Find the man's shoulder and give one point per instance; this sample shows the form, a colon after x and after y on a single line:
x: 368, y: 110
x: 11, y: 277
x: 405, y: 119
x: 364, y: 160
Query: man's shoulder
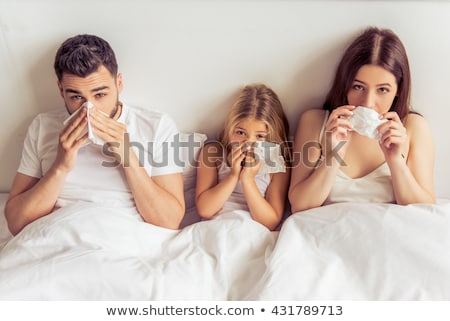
x: 145, y: 124
x: 51, y: 119
x: 150, y: 116
x: 145, y: 112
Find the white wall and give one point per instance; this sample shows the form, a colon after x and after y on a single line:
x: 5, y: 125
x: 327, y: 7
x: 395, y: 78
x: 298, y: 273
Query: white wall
x: 189, y: 58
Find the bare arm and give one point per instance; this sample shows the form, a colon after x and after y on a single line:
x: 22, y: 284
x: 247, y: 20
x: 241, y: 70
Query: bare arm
x: 31, y: 198
x: 410, y: 155
x: 210, y: 195
x: 310, y: 184
x: 159, y: 199
x: 267, y: 210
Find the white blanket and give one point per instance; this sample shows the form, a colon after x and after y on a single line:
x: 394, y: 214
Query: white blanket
x: 361, y: 251
x: 84, y: 252
x: 340, y: 251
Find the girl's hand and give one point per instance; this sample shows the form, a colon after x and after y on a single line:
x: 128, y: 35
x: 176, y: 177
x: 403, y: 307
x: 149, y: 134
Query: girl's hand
x: 251, y: 166
x: 236, y: 157
x: 394, y: 140
x: 338, y: 125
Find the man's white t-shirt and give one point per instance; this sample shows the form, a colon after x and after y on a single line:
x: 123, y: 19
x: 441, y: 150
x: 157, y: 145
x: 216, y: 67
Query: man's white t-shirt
x: 96, y: 176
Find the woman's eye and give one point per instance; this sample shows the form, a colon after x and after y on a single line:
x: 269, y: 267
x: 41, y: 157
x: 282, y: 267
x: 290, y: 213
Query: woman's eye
x: 239, y: 132
x: 358, y: 87
x: 383, y: 90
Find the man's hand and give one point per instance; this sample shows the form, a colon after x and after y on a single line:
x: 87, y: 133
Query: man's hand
x: 113, y: 133
x: 70, y: 142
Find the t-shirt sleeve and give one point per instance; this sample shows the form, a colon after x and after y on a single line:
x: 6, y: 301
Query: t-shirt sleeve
x: 29, y: 163
x: 165, y: 151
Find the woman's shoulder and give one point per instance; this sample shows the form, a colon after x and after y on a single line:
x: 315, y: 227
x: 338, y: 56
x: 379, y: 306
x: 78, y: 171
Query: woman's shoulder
x: 416, y: 122
x: 311, y: 120
x: 313, y: 114
x: 417, y: 127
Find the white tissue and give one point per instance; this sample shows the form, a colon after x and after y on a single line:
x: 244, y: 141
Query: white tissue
x: 69, y: 119
x: 92, y: 137
x: 365, y: 122
x: 270, y: 156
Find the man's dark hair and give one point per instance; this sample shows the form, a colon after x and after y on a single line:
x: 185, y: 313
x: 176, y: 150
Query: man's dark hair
x: 82, y: 55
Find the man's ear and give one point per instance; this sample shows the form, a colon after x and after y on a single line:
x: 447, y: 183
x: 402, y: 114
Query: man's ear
x: 119, y: 82
x: 60, y: 87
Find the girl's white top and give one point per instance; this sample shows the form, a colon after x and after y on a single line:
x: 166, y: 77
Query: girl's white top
x: 237, y: 199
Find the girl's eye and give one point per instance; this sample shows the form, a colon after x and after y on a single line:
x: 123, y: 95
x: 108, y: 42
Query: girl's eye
x: 261, y: 137
x: 383, y: 90
x: 239, y: 132
x: 358, y: 87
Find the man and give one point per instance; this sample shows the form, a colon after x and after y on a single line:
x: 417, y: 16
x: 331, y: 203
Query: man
x: 55, y: 172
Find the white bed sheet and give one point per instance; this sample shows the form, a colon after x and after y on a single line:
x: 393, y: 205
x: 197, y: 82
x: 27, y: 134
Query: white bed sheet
x: 356, y: 251
x: 85, y: 252
x: 5, y: 235
x: 341, y: 251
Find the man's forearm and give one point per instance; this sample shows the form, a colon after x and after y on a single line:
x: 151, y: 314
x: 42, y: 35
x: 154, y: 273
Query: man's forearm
x: 159, y: 200
x: 35, y: 202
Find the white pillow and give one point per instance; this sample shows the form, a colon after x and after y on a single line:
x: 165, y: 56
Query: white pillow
x: 189, y: 156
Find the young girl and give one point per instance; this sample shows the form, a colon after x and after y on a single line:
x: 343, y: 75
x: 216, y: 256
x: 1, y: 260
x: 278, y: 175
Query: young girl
x: 229, y: 177
x: 396, y: 167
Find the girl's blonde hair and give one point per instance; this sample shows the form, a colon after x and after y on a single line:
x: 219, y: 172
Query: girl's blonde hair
x: 261, y: 103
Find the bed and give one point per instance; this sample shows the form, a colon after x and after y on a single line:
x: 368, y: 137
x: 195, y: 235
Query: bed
x: 347, y: 251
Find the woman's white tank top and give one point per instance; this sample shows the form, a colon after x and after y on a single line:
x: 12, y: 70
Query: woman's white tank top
x: 374, y: 187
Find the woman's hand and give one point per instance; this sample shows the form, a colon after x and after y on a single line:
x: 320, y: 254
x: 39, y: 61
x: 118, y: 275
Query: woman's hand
x: 394, y: 140
x: 338, y: 125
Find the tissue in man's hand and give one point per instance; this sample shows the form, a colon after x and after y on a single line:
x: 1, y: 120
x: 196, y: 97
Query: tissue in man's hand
x: 365, y: 122
x: 270, y: 156
x: 92, y: 137
x: 69, y: 119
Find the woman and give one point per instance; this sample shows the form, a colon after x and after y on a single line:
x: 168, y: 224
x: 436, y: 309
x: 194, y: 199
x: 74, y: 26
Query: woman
x: 346, y: 166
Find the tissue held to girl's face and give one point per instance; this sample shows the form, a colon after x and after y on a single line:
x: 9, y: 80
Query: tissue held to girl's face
x: 270, y: 156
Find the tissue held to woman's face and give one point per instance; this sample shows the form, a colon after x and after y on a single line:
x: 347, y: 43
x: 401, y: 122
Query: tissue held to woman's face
x: 365, y: 121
